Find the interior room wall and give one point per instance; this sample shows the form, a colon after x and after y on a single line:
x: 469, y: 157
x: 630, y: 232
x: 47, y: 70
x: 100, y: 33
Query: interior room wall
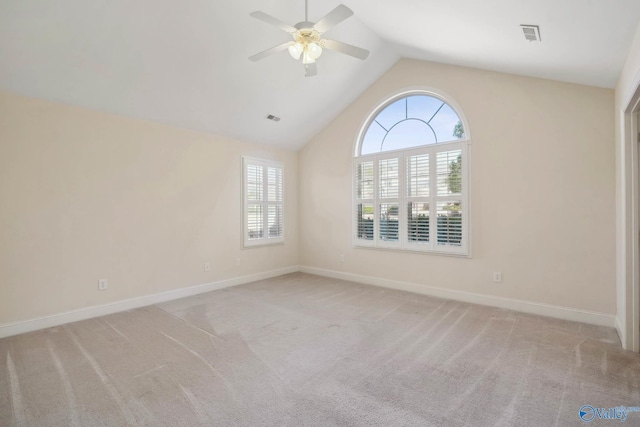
x: 626, y: 88
x: 86, y: 195
x: 542, y: 190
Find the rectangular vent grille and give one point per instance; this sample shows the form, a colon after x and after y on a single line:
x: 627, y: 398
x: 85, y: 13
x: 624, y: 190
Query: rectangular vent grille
x: 273, y: 118
x: 531, y: 32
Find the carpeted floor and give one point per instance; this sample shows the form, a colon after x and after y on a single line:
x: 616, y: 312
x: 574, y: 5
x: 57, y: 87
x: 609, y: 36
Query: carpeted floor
x: 303, y: 350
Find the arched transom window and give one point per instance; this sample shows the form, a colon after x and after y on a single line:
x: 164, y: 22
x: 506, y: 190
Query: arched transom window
x: 410, y: 177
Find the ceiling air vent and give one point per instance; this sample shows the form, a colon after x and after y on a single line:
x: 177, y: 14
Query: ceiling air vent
x: 531, y: 32
x: 273, y: 118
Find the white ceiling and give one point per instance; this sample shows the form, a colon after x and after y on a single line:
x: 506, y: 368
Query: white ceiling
x: 185, y: 63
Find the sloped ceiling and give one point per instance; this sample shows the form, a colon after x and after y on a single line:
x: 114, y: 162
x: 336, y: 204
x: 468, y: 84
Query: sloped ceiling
x: 185, y: 63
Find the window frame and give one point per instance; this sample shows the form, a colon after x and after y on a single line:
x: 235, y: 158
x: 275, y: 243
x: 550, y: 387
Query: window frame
x: 403, y: 243
x: 265, y: 240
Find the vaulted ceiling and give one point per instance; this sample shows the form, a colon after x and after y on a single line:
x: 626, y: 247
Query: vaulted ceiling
x: 185, y: 63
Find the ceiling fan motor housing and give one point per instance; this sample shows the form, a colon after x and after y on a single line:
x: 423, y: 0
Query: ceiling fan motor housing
x: 306, y: 35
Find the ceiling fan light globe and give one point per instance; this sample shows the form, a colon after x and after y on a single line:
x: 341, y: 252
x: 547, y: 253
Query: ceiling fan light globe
x: 295, y: 50
x: 314, y: 50
x: 307, y: 58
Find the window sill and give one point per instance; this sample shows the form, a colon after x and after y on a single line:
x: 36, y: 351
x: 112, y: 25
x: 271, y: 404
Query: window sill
x: 262, y: 244
x: 413, y: 251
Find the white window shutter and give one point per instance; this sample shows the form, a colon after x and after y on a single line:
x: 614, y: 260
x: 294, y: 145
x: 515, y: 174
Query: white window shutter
x: 263, y: 215
x: 414, y: 200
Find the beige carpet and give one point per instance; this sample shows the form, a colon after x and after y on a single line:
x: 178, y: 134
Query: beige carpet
x: 304, y: 350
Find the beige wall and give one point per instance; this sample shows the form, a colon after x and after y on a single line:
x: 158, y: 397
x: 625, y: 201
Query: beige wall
x: 626, y: 194
x: 86, y: 195
x: 542, y: 190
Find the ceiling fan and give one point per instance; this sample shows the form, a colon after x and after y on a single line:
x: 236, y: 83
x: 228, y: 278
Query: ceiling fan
x: 307, y: 42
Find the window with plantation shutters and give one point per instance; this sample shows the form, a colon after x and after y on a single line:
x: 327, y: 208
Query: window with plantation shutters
x: 263, y: 219
x: 411, y: 178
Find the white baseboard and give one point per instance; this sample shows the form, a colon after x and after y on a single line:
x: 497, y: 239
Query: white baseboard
x: 10, y: 329
x: 548, y: 310
x: 622, y: 333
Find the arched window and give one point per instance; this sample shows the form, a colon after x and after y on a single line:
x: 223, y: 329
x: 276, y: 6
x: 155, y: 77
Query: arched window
x: 410, y: 177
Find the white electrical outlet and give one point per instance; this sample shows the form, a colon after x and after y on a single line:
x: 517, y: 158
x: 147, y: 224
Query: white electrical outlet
x: 497, y: 276
x: 237, y: 262
x: 341, y: 258
x: 103, y: 284
x: 207, y: 266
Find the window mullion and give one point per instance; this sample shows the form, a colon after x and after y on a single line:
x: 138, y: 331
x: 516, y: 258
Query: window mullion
x: 376, y: 197
x: 465, y: 198
x: 402, y: 203
x: 433, y: 202
x: 265, y: 203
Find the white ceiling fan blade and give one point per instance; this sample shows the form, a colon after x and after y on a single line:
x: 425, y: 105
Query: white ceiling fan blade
x: 311, y: 70
x: 332, y: 18
x: 268, y: 52
x: 273, y: 21
x: 345, y: 48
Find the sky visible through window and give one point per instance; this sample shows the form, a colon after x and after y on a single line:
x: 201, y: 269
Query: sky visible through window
x: 411, y: 122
